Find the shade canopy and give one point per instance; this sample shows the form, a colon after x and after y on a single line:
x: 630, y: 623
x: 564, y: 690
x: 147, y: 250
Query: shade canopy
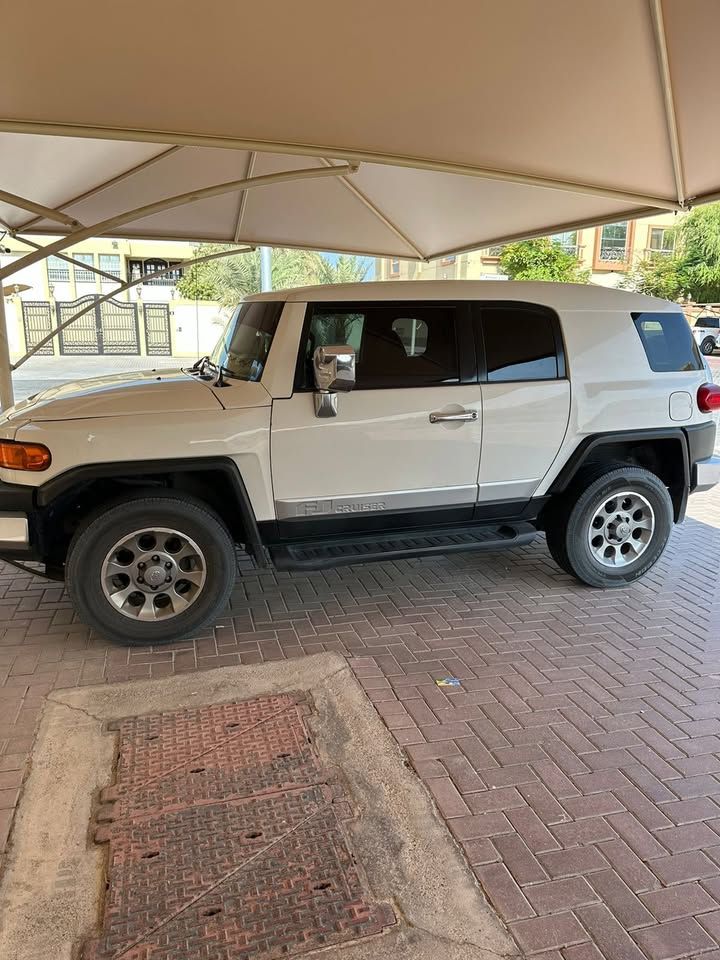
x: 474, y: 122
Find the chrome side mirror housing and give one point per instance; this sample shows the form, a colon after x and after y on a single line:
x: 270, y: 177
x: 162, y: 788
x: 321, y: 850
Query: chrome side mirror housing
x: 334, y: 369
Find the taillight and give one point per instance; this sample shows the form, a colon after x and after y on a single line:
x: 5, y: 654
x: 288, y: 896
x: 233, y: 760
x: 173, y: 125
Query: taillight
x: 708, y: 397
x: 24, y: 456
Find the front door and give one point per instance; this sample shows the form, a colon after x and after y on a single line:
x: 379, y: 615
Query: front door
x: 392, y: 448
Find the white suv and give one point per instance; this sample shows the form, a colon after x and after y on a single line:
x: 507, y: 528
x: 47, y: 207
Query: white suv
x: 706, y: 331
x: 344, y: 424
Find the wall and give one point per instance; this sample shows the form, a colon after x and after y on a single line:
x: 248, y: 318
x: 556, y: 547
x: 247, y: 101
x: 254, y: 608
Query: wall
x: 195, y: 326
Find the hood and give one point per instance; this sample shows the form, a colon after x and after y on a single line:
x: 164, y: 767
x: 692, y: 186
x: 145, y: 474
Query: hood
x: 118, y: 395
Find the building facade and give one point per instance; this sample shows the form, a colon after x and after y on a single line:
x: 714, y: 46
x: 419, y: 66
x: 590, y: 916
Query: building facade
x: 608, y: 252
x: 149, y: 319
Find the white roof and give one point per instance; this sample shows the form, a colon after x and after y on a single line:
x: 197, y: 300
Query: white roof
x: 474, y: 122
x: 561, y: 296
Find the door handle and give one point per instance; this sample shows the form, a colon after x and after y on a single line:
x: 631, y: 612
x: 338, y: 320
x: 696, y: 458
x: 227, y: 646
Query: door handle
x: 450, y: 417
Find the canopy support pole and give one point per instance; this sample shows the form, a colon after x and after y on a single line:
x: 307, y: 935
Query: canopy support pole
x: 383, y: 218
x: 7, y: 397
x: 108, y: 296
x: 661, y: 51
x: 93, y: 191
x: 150, y: 209
x: 338, y: 153
x: 51, y: 214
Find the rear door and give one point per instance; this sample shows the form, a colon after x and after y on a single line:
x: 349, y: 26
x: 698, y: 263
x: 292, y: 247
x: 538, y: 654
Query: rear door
x: 525, y: 397
x: 391, y: 448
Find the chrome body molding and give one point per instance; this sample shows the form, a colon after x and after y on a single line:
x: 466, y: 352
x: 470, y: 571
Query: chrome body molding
x: 377, y: 502
x: 708, y: 474
x: 14, y: 531
x: 507, y: 489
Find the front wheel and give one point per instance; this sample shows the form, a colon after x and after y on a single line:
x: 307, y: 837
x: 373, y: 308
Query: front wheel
x: 152, y: 570
x: 611, y: 528
x: 707, y: 347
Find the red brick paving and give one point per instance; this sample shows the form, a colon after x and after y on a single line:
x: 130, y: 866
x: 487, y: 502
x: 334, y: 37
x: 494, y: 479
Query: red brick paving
x: 578, y: 764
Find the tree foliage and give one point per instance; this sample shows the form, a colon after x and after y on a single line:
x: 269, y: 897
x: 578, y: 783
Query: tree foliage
x: 229, y: 279
x: 541, y: 259
x: 693, y: 270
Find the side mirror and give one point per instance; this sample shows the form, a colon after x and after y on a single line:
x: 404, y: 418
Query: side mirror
x: 334, y: 369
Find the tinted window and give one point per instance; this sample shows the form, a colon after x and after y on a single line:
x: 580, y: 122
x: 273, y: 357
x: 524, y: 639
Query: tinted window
x: 712, y: 323
x: 245, y: 344
x: 395, y: 345
x: 519, y: 343
x: 668, y: 342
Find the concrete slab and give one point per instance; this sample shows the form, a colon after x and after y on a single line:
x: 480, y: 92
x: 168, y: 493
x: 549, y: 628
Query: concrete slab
x: 51, y: 889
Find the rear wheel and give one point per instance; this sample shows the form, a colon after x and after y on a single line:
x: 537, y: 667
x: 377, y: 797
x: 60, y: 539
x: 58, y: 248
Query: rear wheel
x: 612, y: 527
x: 707, y: 347
x: 150, y: 571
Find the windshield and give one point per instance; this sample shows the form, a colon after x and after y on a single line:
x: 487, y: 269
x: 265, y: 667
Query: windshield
x: 244, y: 346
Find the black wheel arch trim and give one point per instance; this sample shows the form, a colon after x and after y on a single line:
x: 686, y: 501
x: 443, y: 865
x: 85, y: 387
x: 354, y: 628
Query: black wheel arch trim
x: 584, y: 449
x: 62, y: 483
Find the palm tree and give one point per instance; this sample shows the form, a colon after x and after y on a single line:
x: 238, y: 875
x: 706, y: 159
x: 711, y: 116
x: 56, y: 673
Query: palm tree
x: 230, y: 279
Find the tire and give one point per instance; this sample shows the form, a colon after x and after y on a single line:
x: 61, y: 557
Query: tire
x: 165, y: 534
x: 707, y: 347
x: 605, y: 541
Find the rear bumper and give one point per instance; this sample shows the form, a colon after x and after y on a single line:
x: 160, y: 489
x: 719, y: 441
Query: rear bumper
x: 707, y: 474
x: 14, y: 532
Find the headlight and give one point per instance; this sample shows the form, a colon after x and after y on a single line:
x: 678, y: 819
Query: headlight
x: 15, y: 455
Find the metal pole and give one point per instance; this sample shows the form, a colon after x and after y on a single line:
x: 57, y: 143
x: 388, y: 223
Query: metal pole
x: 169, y: 203
x: 265, y: 269
x: 7, y: 398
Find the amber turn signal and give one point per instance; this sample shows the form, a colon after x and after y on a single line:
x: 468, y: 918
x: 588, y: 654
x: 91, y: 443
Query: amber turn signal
x: 24, y: 456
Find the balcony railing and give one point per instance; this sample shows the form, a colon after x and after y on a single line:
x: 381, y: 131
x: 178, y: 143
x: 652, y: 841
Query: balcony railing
x: 58, y: 274
x: 613, y: 253
x: 655, y: 252
x: 572, y: 248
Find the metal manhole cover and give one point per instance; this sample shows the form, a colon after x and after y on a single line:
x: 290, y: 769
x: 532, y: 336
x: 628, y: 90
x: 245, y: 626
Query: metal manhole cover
x: 226, y: 840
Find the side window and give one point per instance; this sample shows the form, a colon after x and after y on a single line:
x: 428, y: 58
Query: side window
x: 520, y: 343
x: 668, y: 342
x: 404, y: 345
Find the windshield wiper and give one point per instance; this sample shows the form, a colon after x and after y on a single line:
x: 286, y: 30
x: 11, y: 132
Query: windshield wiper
x: 200, y: 364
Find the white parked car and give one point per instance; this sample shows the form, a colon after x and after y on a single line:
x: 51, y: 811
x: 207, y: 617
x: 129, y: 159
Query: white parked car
x: 706, y: 331
x: 344, y: 424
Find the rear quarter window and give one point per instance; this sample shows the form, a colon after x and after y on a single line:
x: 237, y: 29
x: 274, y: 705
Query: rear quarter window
x: 668, y: 341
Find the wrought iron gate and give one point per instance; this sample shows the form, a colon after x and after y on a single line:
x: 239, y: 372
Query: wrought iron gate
x: 157, y: 329
x: 111, y: 327
x: 37, y: 321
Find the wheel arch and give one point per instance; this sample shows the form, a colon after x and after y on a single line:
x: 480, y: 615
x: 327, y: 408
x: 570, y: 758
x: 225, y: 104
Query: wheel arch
x: 68, y: 498
x: 663, y: 451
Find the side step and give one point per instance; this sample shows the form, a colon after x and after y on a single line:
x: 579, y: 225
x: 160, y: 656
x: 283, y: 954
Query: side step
x: 321, y: 554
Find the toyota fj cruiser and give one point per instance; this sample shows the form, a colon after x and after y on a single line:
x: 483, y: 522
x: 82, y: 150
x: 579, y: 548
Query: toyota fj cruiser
x: 364, y: 422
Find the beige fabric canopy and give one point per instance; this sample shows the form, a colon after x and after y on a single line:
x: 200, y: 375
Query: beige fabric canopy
x: 474, y: 121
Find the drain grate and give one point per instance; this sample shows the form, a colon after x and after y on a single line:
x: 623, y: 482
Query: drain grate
x: 227, y: 840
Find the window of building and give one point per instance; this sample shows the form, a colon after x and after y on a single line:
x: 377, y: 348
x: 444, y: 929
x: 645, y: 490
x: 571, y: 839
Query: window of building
x: 492, y: 253
x: 661, y: 240
x: 668, y: 342
x: 395, y: 268
x: 614, y: 242
x: 447, y: 261
x: 84, y: 276
x: 58, y: 270
x: 567, y: 240
x: 110, y: 263
x: 395, y: 345
x: 520, y: 343
x: 139, y: 268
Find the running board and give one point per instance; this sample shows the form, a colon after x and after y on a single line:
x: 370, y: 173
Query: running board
x: 321, y: 554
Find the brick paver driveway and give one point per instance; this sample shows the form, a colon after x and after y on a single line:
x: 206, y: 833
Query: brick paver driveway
x: 578, y: 764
